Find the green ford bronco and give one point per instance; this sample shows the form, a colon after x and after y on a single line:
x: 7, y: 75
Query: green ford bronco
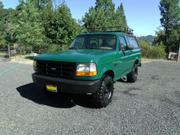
x: 92, y: 64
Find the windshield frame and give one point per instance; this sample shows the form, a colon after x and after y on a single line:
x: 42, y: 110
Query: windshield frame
x: 95, y: 35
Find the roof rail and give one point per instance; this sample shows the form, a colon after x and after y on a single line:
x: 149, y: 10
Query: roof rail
x: 111, y: 29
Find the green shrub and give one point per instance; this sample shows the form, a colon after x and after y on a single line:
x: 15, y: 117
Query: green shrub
x: 56, y: 48
x: 152, y: 51
x: 49, y: 48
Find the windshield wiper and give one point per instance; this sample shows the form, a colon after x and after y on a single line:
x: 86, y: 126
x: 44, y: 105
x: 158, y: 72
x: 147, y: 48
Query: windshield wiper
x: 71, y: 48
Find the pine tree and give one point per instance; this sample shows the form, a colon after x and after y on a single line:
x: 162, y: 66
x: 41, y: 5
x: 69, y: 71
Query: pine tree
x: 101, y: 16
x: 29, y: 29
x: 95, y: 20
x: 1, y: 5
x: 9, y: 32
x: 6, y: 15
x: 120, y: 18
x: 42, y: 4
x: 170, y: 12
x: 61, y: 28
x: 1, y: 24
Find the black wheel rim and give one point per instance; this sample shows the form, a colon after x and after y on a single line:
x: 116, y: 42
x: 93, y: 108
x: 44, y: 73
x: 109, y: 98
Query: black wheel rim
x: 135, y: 72
x: 108, y: 91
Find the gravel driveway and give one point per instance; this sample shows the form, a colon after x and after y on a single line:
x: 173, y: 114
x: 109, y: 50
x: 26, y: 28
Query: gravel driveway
x: 151, y: 106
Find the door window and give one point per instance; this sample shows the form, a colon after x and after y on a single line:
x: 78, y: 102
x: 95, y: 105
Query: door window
x: 122, y: 43
x: 133, y: 43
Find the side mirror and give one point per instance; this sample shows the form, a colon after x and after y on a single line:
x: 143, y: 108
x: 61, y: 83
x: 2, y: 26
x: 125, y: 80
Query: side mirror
x: 122, y: 48
x: 128, y: 47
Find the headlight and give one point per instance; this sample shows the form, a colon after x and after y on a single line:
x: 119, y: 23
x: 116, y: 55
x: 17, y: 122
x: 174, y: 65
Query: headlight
x: 86, y: 69
x: 35, y: 65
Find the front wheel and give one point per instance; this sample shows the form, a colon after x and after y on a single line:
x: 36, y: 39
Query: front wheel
x: 104, y: 94
x: 132, y: 76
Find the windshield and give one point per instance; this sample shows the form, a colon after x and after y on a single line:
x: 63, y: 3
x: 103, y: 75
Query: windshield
x: 100, y: 42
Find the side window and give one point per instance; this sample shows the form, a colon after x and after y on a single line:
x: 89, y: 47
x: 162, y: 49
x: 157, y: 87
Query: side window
x: 122, y: 43
x: 133, y: 43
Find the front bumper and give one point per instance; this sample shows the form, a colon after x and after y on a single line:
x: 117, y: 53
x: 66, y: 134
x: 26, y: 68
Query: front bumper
x: 67, y: 86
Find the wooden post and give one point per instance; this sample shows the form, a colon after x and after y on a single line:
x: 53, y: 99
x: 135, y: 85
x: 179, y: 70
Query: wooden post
x: 179, y: 54
x: 9, y: 51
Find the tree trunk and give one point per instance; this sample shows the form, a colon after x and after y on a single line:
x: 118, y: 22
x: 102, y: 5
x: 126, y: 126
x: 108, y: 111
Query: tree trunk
x: 179, y: 54
x: 9, y: 51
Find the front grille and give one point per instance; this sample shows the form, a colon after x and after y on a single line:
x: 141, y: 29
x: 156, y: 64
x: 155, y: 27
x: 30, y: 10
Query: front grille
x: 56, y: 69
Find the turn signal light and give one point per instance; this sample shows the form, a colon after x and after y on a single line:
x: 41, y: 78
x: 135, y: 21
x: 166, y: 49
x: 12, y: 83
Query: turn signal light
x: 86, y: 73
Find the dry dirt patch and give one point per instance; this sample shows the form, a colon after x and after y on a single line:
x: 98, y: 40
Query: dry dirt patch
x: 21, y: 60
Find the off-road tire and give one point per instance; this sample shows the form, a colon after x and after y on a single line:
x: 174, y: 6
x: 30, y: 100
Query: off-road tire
x: 104, y: 94
x: 132, y: 76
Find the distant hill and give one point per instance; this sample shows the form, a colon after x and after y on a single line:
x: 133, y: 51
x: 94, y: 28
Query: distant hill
x: 149, y: 38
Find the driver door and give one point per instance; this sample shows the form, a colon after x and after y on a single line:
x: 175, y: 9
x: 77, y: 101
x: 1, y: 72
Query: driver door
x: 125, y: 59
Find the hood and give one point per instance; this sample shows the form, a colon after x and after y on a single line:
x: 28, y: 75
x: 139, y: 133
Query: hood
x: 73, y: 56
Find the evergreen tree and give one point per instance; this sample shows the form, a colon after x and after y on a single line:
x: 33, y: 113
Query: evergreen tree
x: 61, y: 28
x: 2, y: 27
x: 174, y: 39
x: 37, y: 24
x: 42, y: 4
x: 9, y: 32
x: 104, y: 17
x: 1, y: 5
x: 29, y: 29
x: 107, y: 7
x: 95, y: 20
x: 101, y: 16
x: 120, y: 18
x: 47, y: 13
x: 170, y: 12
x: 6, y: 15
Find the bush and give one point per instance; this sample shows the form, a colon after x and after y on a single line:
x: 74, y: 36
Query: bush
x: 53, y: 48
x: 152, y: 51
x: 48, y: 48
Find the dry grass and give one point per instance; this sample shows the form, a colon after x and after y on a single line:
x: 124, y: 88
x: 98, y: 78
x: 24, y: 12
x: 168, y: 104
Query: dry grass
x: 145, y: 60
x: 21, y: 60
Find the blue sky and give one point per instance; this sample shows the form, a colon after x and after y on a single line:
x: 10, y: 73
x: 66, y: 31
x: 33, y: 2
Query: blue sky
x: 142, y: 15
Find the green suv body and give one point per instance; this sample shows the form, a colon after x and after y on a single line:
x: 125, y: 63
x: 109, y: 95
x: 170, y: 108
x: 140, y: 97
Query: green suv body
x: 91, y: 65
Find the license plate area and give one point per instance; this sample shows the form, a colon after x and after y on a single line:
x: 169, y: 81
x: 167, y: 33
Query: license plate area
x: 51, y: 88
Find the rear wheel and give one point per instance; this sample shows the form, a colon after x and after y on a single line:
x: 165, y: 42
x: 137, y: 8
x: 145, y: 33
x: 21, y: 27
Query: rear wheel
x: 132, y: 76
x: 104, y: 94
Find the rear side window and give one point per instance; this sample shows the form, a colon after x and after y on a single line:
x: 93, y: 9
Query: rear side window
x: 133, y: 43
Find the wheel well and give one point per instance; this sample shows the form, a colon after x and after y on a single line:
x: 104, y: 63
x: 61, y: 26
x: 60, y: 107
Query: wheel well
x: 136, y: 62
x: 110, y: 73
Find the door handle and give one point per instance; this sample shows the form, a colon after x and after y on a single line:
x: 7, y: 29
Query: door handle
x: 115, y: 65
